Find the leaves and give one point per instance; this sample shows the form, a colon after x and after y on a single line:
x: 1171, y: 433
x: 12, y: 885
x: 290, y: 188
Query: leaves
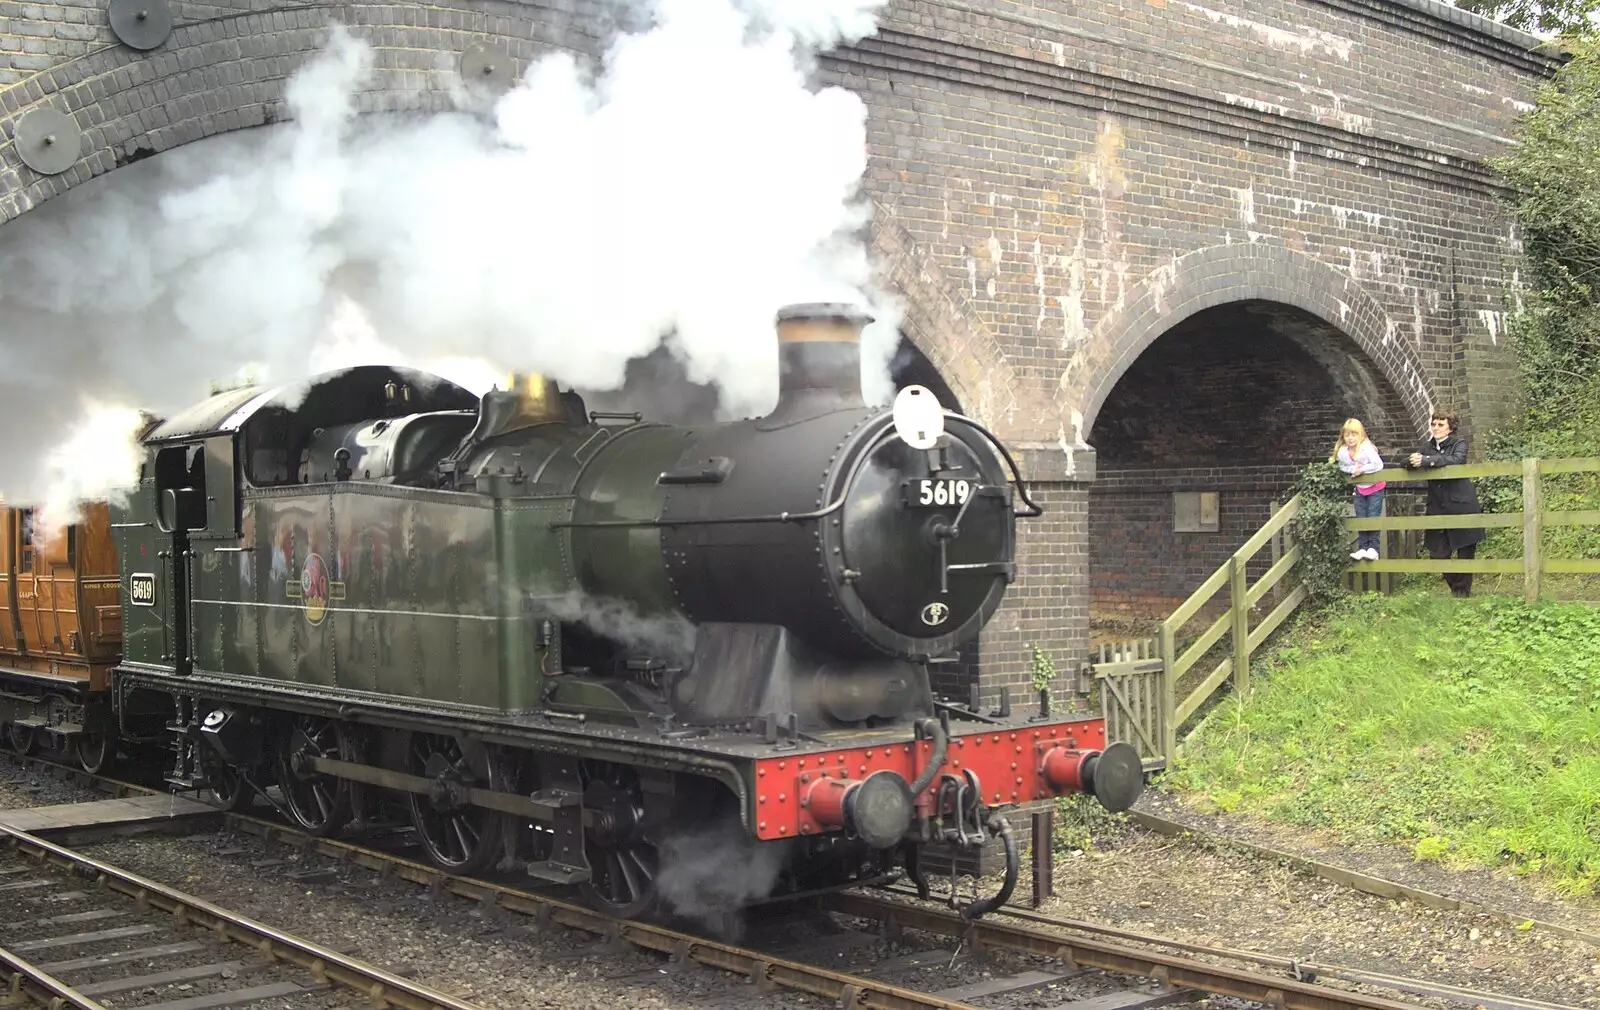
x: 1554, y: 172
x: 1531, y: 16
x: 1319, y: 530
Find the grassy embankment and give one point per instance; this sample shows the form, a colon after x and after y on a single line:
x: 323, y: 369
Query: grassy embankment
x: 1469, y: 730
x: 1466, y: 729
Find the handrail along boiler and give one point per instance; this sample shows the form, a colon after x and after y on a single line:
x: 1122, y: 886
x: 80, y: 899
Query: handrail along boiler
x: 571, y: 640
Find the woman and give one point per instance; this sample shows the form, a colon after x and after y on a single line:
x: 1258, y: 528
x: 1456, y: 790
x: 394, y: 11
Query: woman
x: 1454, y: 497
x: 1356, y: 455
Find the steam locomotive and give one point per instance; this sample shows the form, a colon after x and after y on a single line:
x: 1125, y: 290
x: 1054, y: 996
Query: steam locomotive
x: 570, y: 641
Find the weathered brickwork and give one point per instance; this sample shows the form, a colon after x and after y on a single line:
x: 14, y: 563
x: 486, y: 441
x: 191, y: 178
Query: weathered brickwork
x: 1142, y: 569
x: 1057, y: 185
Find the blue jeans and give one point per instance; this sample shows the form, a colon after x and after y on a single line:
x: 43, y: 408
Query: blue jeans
x: 1368, y: 506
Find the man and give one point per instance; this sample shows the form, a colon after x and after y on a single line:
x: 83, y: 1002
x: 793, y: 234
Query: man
x: 1453, y: 497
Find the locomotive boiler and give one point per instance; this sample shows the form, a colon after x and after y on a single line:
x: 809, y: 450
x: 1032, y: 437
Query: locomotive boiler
x: 581, y: 642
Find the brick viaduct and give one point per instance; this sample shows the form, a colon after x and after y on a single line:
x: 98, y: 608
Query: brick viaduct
x: 1263, y: 215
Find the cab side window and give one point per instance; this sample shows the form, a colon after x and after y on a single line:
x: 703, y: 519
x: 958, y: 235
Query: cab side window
x: 25, y: 556
x: 182, y: 469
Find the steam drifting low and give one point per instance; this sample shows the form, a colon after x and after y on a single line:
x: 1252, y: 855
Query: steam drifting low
x: 682, y: 189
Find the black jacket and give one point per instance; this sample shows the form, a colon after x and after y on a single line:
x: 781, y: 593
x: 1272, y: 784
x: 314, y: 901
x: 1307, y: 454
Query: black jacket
x: 1456, y: 497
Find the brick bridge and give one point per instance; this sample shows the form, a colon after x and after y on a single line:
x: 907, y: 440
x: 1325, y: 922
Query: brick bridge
x: 1164, y: 246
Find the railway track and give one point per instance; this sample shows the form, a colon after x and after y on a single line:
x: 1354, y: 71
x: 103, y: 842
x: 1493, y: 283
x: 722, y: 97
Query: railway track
x: 123, y: 920
x: 1058, y: 955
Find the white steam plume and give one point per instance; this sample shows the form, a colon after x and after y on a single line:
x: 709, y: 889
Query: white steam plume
x: 710, y: 872
x: 689, y: 184
x: 669, y: 636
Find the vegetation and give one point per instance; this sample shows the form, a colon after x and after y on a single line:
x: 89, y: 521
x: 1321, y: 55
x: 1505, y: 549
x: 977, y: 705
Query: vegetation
x: 1550, y: 17
x: 1555, y: 173
x: 1319, y: 530
x: 1469, y: 730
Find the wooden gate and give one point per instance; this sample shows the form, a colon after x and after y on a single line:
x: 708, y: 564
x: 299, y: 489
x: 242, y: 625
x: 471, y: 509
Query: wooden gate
x: 1129, y: 675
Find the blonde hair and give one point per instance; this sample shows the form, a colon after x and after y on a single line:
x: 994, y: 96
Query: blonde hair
x: 1361, y: 436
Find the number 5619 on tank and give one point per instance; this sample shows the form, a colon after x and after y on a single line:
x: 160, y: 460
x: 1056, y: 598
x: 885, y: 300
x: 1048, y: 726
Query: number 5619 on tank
x: 930, y: 492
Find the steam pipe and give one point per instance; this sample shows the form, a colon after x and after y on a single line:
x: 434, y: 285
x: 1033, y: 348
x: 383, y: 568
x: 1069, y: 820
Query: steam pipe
x: 1000, y: 826
x: 941, y: 748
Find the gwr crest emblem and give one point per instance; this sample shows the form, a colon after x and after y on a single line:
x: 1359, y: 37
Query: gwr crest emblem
x: 314, y: 589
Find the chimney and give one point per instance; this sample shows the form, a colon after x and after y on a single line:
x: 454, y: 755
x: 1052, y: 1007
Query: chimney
x: 530, y: 399
x: 819, y: 357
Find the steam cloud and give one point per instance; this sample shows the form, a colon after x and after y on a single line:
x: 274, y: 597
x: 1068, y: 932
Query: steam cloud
x: 711, y: 873
x: 682, y: 189
x: 665, y: 636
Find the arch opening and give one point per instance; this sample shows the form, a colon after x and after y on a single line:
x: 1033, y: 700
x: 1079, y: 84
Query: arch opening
x: 1209, y: 427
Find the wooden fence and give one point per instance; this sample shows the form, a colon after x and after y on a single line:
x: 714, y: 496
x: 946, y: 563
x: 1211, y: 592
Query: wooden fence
x: 1128, y: 679
x: 1138, y: 681
x: 1534, y: 519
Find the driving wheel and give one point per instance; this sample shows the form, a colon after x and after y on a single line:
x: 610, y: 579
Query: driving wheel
x: 319, y: 802
x: 623, y: 865
x: 456, y: 836
x: 225, y: 783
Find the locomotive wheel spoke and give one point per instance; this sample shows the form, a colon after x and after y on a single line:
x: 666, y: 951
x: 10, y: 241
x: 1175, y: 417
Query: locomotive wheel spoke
x: 459, y: 839
x: 320, y: 803
x: 625, y: 880
x: 622, y: 863
x: 228, y: 790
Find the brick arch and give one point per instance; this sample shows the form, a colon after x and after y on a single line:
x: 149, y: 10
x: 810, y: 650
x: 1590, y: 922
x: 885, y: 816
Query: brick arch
x: 940, y: 324
x: 1231, y: 273
x: 228, y: 73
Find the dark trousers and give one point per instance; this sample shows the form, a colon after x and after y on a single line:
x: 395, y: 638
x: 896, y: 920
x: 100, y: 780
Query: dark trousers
x: 1438, y: 542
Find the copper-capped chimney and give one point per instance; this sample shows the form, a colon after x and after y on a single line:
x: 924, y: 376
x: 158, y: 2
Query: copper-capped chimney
x: 528, y: 399
x: 819, y: 356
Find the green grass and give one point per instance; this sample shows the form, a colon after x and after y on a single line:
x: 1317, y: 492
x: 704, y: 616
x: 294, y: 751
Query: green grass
x: 1468, y: 730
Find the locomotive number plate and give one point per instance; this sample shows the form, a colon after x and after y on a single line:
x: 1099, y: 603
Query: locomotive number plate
x: 930, y: 493
x: 142, y: 589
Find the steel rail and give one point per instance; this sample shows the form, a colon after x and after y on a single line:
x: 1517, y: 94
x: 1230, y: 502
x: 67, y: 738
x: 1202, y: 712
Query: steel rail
x: 35, y: 983
x: 763, y: 970
x: 1078, y: 952
x: 325, y: 965
x: 1299, y: 969
x: 1358, y: 881
x: 583, y: 918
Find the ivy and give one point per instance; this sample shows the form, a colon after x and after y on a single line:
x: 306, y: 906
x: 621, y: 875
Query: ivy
x: 1554, y: 173
x: 1041, y: 668
x: 1319, y: 530
x: 1554, y: 176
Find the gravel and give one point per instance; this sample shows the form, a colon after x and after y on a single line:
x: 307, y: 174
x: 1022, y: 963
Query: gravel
x: 494, y: 959
x: 1182, y: 889
x: 1190, y: 891
x: 22, y: 787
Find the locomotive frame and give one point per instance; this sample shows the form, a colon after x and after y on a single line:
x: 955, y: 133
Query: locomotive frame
x: 362, y: 586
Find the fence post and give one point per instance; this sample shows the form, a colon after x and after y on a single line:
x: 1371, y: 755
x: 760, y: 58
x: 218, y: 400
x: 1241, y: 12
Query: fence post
x: 1532, y: 528
x: 1169, y: 693
x: 1385, y: 579
x: 1240, y: 612
x: 1278, y: 551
